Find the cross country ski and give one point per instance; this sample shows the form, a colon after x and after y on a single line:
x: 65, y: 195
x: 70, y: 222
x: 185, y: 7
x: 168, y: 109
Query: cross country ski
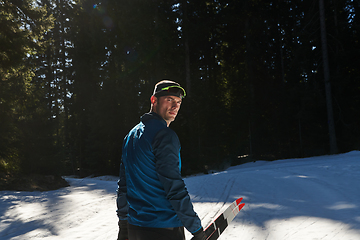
x: 216, y: 228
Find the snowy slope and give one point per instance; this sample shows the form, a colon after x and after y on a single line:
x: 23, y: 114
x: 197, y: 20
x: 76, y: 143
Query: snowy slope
x: 296, y: 199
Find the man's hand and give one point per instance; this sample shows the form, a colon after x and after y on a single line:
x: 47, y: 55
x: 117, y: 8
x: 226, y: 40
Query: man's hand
x: 199, y: 235
x: 123, y: 230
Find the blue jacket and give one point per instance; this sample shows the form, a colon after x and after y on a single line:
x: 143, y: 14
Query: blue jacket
x: 151, y: 192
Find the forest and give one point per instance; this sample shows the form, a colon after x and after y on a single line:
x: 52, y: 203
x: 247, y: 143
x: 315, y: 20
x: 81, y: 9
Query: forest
x: 265, y: 80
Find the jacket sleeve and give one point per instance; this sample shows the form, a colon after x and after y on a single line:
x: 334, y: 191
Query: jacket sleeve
x: 121, y: 201
x: 166, y: 148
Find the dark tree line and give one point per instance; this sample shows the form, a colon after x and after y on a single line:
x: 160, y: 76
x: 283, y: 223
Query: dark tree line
x: 77, y: 75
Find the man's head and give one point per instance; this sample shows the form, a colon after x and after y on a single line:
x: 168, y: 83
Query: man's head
x: 166, y: 99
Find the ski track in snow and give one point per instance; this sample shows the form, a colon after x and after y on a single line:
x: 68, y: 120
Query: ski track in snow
x: 314, y: 198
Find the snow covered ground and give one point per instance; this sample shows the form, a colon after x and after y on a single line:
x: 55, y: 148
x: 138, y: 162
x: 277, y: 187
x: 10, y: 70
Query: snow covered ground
x: 294, y: 199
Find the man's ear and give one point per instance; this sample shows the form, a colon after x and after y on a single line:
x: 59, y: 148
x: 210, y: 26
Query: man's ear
x: 153, y: 99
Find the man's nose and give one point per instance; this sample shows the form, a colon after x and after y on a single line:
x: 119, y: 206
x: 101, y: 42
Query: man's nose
x: 176, y: 105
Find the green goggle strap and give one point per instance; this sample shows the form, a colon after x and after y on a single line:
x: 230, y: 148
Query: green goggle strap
x: 167, y: 88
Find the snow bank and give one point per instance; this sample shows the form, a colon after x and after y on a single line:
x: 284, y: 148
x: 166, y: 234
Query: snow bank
x: 310, y: 198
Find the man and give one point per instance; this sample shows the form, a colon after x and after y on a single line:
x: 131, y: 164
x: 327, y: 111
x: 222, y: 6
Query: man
x: 152, y: 202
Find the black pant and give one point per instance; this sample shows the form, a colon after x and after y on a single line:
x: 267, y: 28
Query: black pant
x: 145, y: 233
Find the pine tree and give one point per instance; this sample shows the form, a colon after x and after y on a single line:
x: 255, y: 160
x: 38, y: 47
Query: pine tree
x: 22, y: 28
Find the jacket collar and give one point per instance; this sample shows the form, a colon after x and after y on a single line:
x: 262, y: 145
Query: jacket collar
x: 152, y: 115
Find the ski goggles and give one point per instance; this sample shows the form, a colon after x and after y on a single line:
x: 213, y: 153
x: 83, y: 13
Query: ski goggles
x: 172, y: 90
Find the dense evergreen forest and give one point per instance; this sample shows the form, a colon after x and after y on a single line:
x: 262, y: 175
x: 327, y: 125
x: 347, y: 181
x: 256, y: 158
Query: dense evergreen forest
x: 264, y: 79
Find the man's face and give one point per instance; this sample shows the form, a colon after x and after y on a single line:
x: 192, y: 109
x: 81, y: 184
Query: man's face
x: 167, y: 107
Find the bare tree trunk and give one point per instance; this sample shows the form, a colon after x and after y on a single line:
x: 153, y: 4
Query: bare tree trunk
x: 186, y: 46
x: 332, y: 135
x: 250, y: 66
x: 187, y: 66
